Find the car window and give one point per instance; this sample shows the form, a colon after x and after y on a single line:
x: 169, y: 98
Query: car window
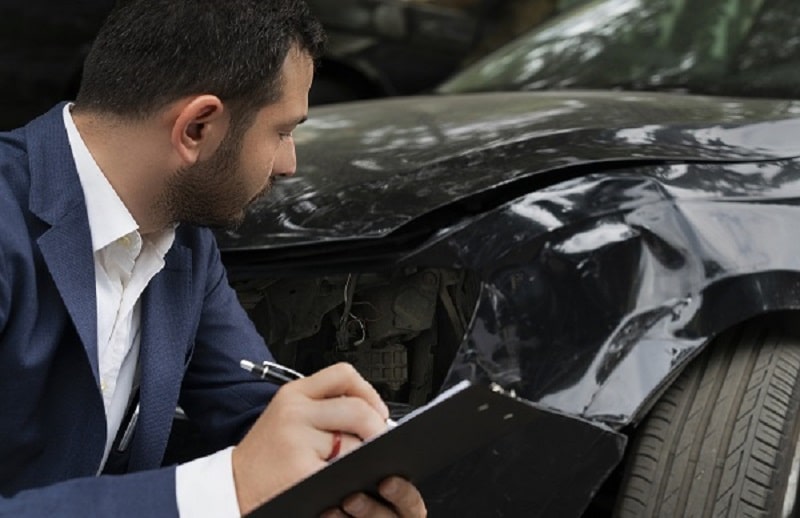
x: 705, y: 47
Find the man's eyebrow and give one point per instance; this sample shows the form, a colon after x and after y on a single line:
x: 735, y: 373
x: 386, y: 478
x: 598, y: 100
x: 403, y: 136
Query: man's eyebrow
x: 301, y: 120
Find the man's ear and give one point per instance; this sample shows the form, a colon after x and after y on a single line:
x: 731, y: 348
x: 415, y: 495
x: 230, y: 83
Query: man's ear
x: 198, y: 126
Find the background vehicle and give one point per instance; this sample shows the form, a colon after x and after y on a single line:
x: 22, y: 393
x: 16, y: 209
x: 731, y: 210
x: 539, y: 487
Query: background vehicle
x: 630, y: 260
x: 381, y: 48
x: 719, y: 47
x: 376, y: 47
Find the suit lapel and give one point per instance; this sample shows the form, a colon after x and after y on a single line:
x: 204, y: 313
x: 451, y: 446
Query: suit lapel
x: 165, y: 339
x: 65, y: 248
x: 57, y: 198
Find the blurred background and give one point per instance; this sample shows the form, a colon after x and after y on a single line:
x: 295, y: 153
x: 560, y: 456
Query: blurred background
x: 380, y: 48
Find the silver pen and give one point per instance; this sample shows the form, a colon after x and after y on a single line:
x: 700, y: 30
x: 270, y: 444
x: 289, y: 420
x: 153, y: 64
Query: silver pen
x: 271, y: 371
x: 279, y: 375
x: 127, y: 435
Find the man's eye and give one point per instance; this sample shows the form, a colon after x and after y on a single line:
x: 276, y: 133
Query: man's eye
x: 284, y: 136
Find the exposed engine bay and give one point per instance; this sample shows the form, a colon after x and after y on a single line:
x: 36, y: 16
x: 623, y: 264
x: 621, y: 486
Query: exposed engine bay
x: 400, y: 329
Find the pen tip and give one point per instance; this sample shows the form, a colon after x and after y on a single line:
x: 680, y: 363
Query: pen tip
x: 247, y: 365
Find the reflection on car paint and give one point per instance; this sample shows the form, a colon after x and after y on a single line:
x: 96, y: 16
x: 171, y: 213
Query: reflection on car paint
x: 468, y: 144
x: 597, y: 323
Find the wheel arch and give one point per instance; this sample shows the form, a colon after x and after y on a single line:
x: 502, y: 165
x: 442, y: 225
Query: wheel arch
x: 721, y: 306
x: 722, y: 439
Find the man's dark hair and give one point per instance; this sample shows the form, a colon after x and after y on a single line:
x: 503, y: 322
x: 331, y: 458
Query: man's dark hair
x: 150, y: 53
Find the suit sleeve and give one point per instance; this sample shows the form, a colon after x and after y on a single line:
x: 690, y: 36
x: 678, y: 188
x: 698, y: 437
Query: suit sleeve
x: 217, y: 395
x: 146, y: 493
x: 6, y: 229
x: 5, y: 293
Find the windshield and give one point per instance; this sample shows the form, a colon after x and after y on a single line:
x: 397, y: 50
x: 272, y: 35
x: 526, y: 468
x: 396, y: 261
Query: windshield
x: 724, y: 47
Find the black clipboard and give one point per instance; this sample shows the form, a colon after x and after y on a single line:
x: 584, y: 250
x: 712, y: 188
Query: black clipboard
x: 432, y: 437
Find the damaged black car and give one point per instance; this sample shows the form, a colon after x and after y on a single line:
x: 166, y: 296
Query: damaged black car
x: 626, y: 260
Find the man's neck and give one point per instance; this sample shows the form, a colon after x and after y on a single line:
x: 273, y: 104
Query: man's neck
x: 128, y: 155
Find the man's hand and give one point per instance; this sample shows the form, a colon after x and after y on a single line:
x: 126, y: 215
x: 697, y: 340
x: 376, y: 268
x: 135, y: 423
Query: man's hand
x: 295, y: 435
x: 404, y: 497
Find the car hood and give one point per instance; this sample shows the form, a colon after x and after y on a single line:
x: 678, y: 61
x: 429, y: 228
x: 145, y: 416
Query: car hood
x: 367, y: 169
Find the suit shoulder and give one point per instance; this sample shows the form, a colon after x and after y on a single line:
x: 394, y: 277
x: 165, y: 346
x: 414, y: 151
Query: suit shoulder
x: 13, y: 157
x: 14, y: 173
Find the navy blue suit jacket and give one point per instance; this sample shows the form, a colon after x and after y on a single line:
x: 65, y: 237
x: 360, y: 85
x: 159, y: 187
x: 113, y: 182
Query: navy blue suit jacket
x: 52, y: 422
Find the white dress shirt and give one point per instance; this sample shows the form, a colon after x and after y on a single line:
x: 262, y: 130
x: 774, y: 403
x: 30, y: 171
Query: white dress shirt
x: 125, y: 262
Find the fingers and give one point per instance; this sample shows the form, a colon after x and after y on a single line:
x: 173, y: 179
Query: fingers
x: 403, y: 498
x: 337, y: 398
x: 348, y: 414
x: 360, y: 506
x: 341, y: 379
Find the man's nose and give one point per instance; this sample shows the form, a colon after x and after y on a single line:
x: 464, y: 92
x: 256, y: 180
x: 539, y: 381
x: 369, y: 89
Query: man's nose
x: 285, y: 161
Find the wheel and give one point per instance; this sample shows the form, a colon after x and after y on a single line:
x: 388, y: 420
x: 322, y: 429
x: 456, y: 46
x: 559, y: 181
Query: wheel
x: 723, y: 439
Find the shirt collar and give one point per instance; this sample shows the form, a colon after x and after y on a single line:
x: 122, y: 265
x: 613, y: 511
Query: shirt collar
x: 109, y: 219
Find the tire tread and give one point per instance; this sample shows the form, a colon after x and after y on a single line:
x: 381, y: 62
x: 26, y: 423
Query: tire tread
x: 713, y: 445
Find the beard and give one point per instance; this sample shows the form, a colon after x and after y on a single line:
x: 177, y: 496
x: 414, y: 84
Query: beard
x: 212, y: 193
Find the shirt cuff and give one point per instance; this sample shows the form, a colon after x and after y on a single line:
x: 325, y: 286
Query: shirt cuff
x: 204, y: 487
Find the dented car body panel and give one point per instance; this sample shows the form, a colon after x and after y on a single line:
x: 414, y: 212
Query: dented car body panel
x: 577, y: 249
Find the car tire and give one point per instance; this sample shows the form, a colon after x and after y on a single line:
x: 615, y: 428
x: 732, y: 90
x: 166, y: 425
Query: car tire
x: 723, y: 439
